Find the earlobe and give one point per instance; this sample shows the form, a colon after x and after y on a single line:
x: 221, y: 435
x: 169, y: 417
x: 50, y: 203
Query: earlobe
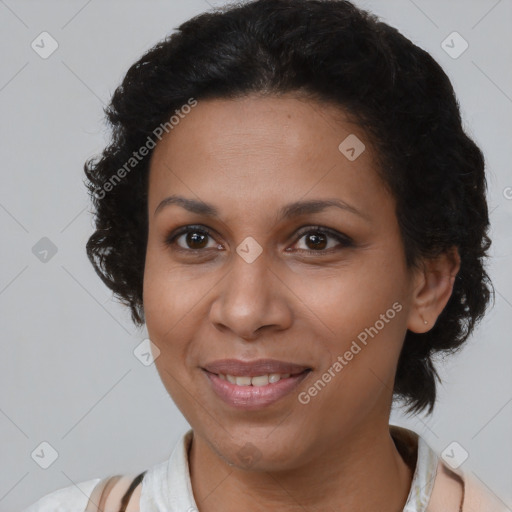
x: 433, y: 289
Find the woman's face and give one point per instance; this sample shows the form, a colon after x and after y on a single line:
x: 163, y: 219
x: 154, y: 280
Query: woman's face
x: 267, y: 285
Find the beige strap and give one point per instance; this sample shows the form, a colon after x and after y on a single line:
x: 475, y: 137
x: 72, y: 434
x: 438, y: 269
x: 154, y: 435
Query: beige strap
x: 462, y: 493
x: 130, y: 502
x: 448, y: 491
x: 100, y: 494
x: 119, y: 493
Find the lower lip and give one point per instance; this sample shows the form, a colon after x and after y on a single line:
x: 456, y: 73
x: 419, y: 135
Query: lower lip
x: 254, y: 397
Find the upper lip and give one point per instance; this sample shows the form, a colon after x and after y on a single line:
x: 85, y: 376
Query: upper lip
x: 237, y: 367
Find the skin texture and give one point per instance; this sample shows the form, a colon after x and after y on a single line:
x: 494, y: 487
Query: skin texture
x: 249, y: 157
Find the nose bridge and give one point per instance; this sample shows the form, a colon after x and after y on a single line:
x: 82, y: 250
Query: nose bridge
x: 249, y: 297
x: 250, y: 276
x: 250, y: 253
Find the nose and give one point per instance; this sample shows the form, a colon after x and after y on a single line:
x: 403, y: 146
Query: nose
x: 251, y: 298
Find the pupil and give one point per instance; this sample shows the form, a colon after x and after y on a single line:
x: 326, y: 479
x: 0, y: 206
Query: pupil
x: 318, y: 244
x: 193, y: 238
x: 318, y: 241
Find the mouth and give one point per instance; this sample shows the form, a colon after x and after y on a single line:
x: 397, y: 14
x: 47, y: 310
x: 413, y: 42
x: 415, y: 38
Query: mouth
x: 253, y: 393
x: 264, y: 379
x: 255, y: 368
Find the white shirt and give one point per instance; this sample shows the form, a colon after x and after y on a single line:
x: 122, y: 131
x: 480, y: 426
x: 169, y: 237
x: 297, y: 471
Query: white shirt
x: 166, y: 487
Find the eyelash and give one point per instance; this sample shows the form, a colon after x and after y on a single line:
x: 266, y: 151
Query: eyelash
x: 344, y: 240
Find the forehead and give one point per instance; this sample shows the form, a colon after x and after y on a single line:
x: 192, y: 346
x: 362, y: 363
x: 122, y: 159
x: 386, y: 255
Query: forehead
x: 273, y: 148
x: 293, y: 127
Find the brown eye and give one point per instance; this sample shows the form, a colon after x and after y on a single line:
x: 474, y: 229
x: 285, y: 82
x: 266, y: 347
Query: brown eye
x: 316, y: 240
x: 196, y: 240
x: 190, y: 239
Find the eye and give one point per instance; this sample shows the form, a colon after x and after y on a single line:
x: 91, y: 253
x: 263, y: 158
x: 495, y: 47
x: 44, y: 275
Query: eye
x: 317, y: 239
x: 194, y: 238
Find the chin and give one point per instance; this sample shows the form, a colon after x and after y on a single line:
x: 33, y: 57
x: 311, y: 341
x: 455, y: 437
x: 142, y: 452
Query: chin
x: 267, y: 450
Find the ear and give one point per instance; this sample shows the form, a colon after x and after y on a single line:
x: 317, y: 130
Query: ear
x: 433, y: 286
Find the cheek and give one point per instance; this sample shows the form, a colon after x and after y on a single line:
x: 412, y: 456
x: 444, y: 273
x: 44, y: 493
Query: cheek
x: 360, y: 318
x: 168, y: 295
x: 347, y: 300
x: 174, y: 301
x: 165, y: 301
x: 361, y: 366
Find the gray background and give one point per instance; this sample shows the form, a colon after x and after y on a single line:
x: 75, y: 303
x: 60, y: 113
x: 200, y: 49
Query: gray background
x: 68, y: 373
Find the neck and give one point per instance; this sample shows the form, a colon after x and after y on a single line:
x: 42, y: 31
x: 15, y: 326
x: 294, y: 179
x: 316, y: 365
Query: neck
x: 364, y: 471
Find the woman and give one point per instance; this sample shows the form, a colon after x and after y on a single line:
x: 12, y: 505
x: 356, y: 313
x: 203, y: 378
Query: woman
x: 291, y: 205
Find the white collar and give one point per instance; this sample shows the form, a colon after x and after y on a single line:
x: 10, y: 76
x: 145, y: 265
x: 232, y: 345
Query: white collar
x: 167, y: 487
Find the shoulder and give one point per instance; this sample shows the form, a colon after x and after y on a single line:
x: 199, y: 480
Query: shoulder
x: 463, y: 490
x: 436, y: 486
x: 73, y: 498
x: 119, y: 492
x: 478, y: 498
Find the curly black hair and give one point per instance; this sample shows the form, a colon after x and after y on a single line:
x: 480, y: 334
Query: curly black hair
x: 333, y: 52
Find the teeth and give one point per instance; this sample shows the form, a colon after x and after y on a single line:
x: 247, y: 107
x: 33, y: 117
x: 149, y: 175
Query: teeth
x: 243, y: 381
x: 260, y: 380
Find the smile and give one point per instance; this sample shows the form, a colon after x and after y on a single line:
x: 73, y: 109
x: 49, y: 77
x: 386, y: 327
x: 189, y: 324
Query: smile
x: 252, y: 393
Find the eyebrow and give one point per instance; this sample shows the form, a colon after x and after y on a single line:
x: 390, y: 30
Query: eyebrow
x: 288, y: 211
